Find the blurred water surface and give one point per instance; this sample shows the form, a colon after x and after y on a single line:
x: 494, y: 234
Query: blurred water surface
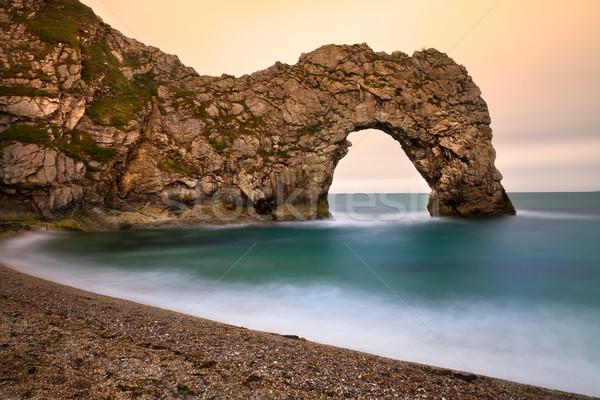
x: 511, y: 297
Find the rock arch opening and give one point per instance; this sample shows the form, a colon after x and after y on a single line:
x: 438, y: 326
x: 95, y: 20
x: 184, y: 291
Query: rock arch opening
x: 376, y: 163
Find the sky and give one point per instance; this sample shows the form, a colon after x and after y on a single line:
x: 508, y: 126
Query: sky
x: 537, y: 64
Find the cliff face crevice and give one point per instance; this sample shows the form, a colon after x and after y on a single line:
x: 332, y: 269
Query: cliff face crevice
x: 99, y: 125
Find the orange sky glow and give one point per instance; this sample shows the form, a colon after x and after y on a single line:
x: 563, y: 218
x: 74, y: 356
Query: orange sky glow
x: 536, y: 62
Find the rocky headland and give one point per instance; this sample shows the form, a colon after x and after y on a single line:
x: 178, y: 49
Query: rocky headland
x: 111, y: 133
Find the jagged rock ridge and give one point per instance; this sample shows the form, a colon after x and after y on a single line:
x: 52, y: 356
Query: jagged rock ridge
x: 102, y: 127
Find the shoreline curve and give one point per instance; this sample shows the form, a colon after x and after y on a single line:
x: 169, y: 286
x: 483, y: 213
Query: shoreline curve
x: 57, y: 341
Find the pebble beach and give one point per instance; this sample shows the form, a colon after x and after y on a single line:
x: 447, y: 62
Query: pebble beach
x: 60, y: 342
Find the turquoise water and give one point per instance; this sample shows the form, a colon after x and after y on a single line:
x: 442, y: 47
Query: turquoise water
x: 512, y: 297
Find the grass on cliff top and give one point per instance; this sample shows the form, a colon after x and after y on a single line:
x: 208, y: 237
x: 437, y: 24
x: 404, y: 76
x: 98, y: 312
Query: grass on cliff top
x: 66, y: 21
x: 61, y: 21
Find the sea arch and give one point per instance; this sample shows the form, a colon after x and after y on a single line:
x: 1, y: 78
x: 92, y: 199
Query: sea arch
x: 427, y: 103
x: 264, y: 144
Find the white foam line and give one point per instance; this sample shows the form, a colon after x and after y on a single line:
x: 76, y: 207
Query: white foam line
x: 553, y: 215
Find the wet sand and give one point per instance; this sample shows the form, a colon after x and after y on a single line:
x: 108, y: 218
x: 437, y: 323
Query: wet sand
x: 60, y: 342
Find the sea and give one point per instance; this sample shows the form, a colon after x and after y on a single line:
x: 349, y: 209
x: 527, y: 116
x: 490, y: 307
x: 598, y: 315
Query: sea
x: 514, y: 297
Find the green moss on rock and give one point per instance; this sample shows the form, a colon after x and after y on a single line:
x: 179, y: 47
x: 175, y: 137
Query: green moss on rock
x: 217, y: 145
x: 38, y: 134
x: 78, y: 145
x: 25, y: 91
x: 117, y: 111
x: 309, y: 129
x: 99, y: 63
x: 174, y: 163
x: 61, y: 21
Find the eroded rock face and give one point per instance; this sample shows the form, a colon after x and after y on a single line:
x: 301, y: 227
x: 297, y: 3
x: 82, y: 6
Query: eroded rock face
x: 47, y: 177
x: 190, y: 148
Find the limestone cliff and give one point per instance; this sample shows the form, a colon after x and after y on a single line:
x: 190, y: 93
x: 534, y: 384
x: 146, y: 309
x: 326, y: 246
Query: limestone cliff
x: 100, y: 126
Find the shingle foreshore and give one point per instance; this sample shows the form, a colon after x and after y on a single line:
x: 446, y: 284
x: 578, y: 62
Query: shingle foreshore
x: 60, y: 342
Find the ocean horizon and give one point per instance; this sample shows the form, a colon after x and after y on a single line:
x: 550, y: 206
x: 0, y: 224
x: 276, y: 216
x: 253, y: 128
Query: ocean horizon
x: 510, y: 297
